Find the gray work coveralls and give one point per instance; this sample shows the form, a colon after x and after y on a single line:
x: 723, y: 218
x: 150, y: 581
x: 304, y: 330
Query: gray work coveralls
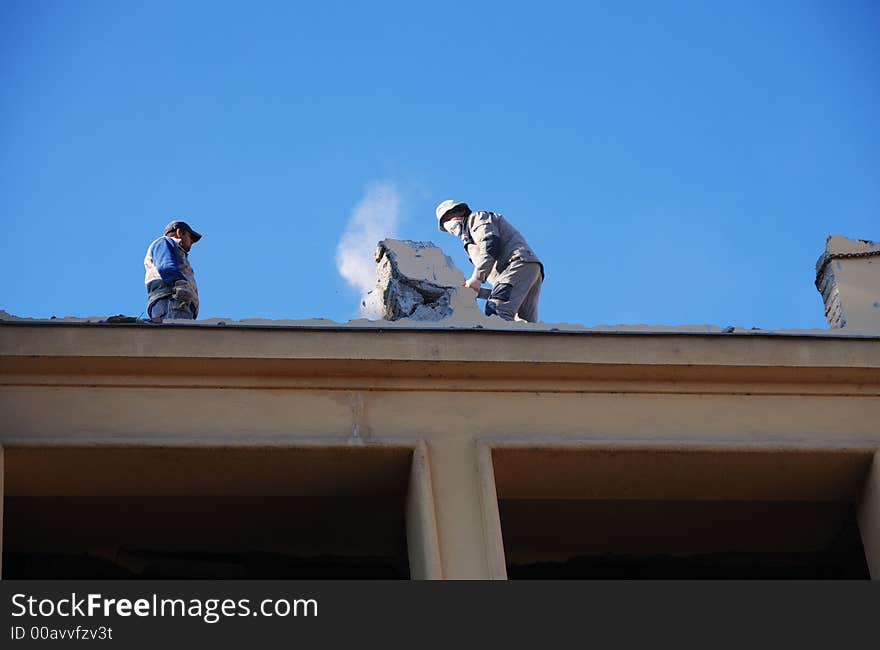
x: 502, y: 257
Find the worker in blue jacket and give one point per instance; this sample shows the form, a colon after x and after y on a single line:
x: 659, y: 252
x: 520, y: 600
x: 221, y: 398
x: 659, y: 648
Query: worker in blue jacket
x: 170, y: 281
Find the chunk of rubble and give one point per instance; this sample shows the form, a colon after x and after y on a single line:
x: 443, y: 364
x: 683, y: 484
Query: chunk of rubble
x: 417, y: 281
x: 848, y: 277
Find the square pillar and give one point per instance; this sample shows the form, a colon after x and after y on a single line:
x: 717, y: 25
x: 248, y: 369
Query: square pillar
x: 469, y: 533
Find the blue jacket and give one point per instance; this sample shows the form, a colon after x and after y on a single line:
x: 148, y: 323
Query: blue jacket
x: 167, y: 263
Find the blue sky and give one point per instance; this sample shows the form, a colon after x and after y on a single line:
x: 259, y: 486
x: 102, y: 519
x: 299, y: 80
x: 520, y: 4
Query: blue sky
x: 671, y: 162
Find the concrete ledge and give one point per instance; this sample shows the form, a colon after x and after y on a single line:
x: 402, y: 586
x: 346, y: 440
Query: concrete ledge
x: 643, y: 348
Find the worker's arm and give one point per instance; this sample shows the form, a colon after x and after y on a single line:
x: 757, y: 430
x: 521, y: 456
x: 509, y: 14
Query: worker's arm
x: 487, y: 246
x: 165, y: 259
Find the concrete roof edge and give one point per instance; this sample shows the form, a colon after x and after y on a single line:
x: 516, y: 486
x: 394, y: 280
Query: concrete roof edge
x: 517, y: 329
x: 323, y: 352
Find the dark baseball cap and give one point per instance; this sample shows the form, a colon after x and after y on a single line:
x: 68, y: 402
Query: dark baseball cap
x: 183, y: 225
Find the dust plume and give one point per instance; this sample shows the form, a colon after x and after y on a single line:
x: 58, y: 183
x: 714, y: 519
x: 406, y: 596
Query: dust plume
x: 374, y: 218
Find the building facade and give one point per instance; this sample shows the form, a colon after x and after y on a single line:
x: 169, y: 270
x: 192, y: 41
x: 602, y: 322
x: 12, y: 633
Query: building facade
x: 436, y: 453
x: 434, y: 450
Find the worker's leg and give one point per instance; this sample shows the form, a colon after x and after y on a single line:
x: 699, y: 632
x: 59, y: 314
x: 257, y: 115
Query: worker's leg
x: 511, y: 289
x: 528, y: 310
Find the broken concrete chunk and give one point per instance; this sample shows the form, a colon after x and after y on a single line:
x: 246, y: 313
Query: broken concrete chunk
x: 416, y: 280
x: 848, y: 277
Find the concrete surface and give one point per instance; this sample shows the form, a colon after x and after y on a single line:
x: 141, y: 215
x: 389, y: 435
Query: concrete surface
x: 315, y: 409
x: 848, y: 277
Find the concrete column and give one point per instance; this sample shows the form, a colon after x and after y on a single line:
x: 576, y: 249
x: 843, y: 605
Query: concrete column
x: 422, y: 542
x: 491, y: 514
x: 869, y: 518
x: 470, y: 543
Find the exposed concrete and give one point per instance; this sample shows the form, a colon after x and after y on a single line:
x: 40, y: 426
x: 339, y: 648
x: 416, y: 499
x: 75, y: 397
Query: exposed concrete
x: 848, y: 277
x: 416, y: 280
x: 869, y: 518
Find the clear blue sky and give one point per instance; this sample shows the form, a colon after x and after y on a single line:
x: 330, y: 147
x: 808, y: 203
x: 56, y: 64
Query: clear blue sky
x: 671, y: 162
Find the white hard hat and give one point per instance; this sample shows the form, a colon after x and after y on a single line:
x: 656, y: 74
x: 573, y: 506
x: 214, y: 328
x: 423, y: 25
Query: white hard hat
x: 445, y: 207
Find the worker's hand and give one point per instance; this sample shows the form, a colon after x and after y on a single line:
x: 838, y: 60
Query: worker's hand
x: 474, y: 283
x: 182, y: 293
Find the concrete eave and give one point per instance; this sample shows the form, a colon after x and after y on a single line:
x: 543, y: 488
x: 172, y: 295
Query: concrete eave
x: 83, y: 349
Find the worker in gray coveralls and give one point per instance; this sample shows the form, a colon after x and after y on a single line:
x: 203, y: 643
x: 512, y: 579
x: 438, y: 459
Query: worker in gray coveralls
x: 500, y: 256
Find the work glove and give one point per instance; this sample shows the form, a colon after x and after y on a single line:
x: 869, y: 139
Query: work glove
x: 182, y: 293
